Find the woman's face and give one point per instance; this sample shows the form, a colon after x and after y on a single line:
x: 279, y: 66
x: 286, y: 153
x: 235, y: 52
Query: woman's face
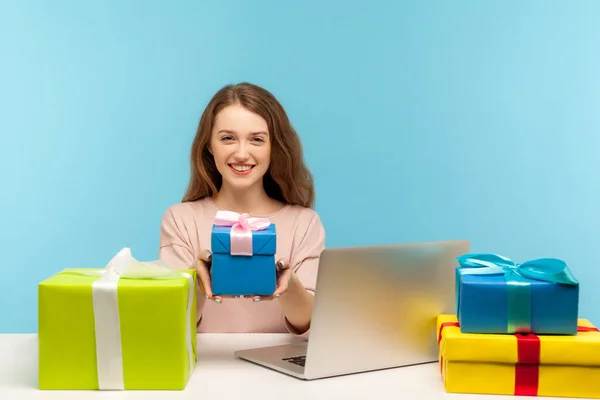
x: 241, y: 147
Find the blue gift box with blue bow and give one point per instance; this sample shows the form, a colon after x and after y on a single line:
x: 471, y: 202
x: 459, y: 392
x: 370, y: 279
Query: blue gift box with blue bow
x: 496, y: 295
x: 243, y: 255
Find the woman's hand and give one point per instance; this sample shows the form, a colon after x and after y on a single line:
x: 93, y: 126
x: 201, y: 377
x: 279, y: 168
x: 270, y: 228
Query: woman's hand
x: 203, y: 270
x: 284, y: 274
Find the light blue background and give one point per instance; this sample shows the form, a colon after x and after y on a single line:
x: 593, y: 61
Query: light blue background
x: 421, y: 120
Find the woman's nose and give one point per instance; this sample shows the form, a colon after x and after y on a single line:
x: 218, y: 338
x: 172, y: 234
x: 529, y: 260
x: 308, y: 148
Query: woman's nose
x: 241, y: 152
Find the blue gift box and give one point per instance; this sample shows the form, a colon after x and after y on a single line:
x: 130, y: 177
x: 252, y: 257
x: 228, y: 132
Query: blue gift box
x: 243, y: 275
x: 495, y: 295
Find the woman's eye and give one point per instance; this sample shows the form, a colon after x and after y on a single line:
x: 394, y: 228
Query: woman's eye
x: 225, y: 138
x: 258, y: 139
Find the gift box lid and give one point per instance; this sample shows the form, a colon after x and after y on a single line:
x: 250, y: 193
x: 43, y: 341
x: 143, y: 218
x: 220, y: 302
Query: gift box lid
x: 85, y: 277
x: 580, y: 349
x: 264, y: 241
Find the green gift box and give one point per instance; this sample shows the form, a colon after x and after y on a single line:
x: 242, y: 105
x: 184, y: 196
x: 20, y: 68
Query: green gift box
x: 128, y: 326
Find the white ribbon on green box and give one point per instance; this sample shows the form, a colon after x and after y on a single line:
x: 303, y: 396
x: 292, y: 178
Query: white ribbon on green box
x: 106, y: 311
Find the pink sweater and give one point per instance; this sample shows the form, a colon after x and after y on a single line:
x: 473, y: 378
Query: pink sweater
x: 186, y: 230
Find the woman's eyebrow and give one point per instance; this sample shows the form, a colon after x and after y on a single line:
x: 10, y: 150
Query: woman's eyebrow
x: 235, y: 133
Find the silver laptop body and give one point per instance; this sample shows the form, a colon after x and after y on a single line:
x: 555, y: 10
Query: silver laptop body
x: 375, y: 308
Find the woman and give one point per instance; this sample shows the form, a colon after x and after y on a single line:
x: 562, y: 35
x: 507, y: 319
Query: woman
x: 247, y: 158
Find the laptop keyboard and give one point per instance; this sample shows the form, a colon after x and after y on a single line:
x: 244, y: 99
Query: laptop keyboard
x: 298, y: 360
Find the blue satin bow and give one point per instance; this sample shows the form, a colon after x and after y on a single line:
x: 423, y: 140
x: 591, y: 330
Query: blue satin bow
x: 518, y: 278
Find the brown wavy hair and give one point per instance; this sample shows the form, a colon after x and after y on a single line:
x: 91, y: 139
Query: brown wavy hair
x: 287, y: 179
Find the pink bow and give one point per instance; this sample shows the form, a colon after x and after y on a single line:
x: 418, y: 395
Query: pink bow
x: 241, y: 230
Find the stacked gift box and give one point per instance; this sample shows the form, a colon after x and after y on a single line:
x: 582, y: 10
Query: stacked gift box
x: 516, y: 331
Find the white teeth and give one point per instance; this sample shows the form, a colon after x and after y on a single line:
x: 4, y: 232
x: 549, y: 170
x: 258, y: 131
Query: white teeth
x: 241, y: 168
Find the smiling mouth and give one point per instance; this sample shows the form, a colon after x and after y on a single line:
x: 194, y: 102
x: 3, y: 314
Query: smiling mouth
x: 241, y: 169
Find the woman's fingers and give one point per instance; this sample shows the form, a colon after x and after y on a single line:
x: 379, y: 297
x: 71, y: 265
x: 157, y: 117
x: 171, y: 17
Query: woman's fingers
x: 282, y: 282
x: 283, y: 276
x: 205, y: 260
x: 206, y: 256
x: 202, y: 269
x: 282, y: 264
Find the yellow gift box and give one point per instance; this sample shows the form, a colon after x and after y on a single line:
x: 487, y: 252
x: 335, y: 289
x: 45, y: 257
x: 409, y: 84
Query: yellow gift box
x: 520, y: 364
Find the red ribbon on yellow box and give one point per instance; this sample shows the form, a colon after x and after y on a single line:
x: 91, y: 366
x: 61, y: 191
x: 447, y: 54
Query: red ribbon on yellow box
x: 487, y: 363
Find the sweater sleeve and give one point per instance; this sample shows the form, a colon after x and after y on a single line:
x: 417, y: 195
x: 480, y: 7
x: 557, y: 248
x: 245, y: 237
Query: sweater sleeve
x: 305, y: 261
x: 175, y: 250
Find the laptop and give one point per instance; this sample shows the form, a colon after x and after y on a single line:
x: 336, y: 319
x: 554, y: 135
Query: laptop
x: 375, y: 308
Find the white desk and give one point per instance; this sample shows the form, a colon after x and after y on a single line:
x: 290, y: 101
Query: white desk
x: 220, y: 376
